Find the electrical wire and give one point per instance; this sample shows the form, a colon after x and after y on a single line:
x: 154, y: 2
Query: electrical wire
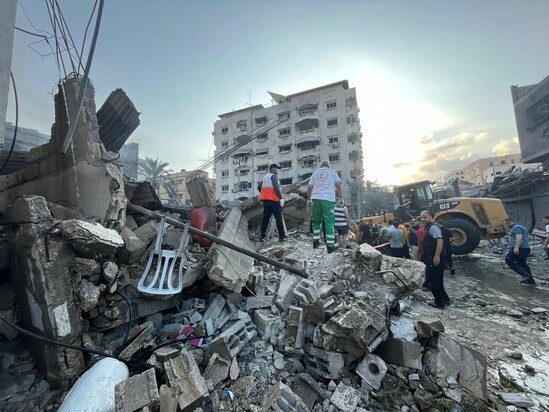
x: 84, y: 82
x: 130, y: 320
x: 87, y: 28
x: 33, y: 34
x: 16, y: 123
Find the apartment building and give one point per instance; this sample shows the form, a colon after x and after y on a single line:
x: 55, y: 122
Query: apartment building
x: 474, y: 171
x: 297, y: 132
x: 451, y: 176
x: 179, y: 186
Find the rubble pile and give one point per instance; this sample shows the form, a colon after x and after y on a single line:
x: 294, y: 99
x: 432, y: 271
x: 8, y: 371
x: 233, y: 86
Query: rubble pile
x: 242, y: 335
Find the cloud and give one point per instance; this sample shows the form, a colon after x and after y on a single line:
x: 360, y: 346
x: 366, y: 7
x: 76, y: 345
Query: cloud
x: 400, y: 165
x: 505, y: 147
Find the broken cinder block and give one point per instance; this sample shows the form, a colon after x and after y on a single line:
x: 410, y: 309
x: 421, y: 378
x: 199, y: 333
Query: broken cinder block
x: 281, y: 398
x: 232, y: 339
x: 137, y: 392
x: 184, y: 377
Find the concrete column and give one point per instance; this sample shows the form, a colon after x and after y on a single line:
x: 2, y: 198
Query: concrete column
x: 7, y: 27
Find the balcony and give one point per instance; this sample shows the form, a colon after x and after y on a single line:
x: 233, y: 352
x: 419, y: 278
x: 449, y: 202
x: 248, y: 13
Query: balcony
x: 306, y: 125
x: 308, y: 162
x: 352, y: 138
x: 308, y: 111
x: 307, y: 142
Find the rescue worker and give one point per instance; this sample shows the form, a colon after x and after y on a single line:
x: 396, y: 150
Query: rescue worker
x: 271, y: 196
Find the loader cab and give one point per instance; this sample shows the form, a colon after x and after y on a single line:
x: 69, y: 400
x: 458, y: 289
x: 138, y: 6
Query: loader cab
x: 411, y: 199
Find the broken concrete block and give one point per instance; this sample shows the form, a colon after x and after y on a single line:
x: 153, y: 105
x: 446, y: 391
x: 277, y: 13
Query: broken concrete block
x: 90, y: 237
x: 307, y: 389
x: 110, y: 271
x: 217, y: 369
x: 86, y: 267
x: 232, y: 339
x: 138, y: 342
x: 227, y: 267
x: 28, y: 209
x: 88, y: 295
x: 518, y: 399
x: 372, y: 370
x: 466, y: 365
x: 215, y: 307
x: 281, y: 398
x: 168, y: 400
x: 131, y: 223
x: 184, y: 377
x: 370, y: 256
x: 400, y: 352
x: 257, y: 281
x: 327, y: 365
x: 285, y: 292
x: 147, y: 232
x: 428, y: 327
x: 296, y: 259
x: 407, y: 274
x: 294, y: 329
x: 254, y: 302
x: 64, y: 213
x: 306, y: 291
x: 134, y: 248
x: 137, y: 392
x: 266, y: 323
x: 166, y: 353
x: 345, y: 398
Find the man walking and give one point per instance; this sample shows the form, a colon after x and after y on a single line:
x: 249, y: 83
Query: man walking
x: 434, y: 258
x: 321, y: 191
x: 271, y: 196
x: 519, y: 249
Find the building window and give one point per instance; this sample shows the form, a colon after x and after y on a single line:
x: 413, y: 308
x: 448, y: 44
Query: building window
x: 503, y: 162
x: 331, y: 122
x: 240, y: 186
x: 225, y: 144
x: 262, y: 152
x: 285, y: 149
x: 309, y: 161
x: 224, y: 188
x: 284, y: 132
x: 260, y: 121
x: 286, y: 164
x: 224, y: 173
x: 334, y: 157
x: 350, y: 102
x: 225, y: 129
x: 333, y: 139
x: 244, y: 172
x: 283, y: 116
x: 286, y: 181
x: 242, y: 125
x: 262, y: 168
x: 262, y: 137
x: 331, y: 105
x: 351, y: 119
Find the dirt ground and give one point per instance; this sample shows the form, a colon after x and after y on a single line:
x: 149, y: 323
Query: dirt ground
x: 484, y: 292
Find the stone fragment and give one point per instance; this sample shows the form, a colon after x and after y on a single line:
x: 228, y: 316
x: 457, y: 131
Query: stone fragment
x: 168, y: 400
x: 294, y: 328
x: 217, y: 369
x: 423, y: 398
x: 428, y: 327
x: 370, y: 256
x: 255, y: 302
x: 226, y: 267
x: 110, y: 271
x: 137, y: 392
x: 345, y: 398
x: 515, y: 313
x: 88, y: 295
x: 131, y: 223
x: 267, y: 323
x: 232, y: 339
x: 454, y: 394
x: 325, y: 290
x: 214, y: 308
x: 86, y: 267
x: 372, y: 370
x: 134, y: 248
x: 184, y: 377
x: 466, y: 365
x: 518, y: 399
x: 538, y: 311
x: 281, y: 398
x: 296, y: 259
x: 308, y: 389
x: 400, y: 352
x: 60, y: 212
x: 234, y: 370
x: 285, y: 292
x: 147, y: 232
x: 28, y: 209
x: 327, y: 365
x: 408, y: 274
x: 90, y: 237
x: 138, y: 342
x: 166, y: 353
x: 306, y: 291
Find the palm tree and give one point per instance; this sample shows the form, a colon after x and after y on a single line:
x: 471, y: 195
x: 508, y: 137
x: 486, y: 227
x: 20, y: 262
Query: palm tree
x: 155, y: 171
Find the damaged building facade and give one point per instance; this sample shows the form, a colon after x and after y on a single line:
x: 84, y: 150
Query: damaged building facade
x: 297, y: 132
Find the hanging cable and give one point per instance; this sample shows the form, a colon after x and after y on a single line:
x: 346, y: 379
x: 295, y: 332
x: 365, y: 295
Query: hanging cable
x: 16, y: 123
x: 87, y: 28
x: 84, y: 82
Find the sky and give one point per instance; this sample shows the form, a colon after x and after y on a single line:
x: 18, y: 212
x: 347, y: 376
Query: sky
x: 432, y: 77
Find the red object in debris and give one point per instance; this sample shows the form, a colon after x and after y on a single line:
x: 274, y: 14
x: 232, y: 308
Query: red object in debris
x: 203, y: 218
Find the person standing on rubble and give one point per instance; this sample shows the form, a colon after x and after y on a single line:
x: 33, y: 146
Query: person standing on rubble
x: 342, y: 219
x: 434, y: 259
x: 447, y: 237
x: 519, y: 249
x: 321, y: 190
x: 273, y: 202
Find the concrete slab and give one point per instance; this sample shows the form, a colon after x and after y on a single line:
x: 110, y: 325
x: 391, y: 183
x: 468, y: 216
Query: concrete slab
x: 137, y: 392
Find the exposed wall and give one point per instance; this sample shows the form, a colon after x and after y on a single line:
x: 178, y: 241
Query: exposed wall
x: 7, y: 26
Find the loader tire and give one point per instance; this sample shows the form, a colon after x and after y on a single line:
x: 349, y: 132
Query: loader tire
x: 466, y: 235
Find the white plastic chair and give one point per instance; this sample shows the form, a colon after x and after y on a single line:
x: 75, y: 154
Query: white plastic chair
x: 163, y: 281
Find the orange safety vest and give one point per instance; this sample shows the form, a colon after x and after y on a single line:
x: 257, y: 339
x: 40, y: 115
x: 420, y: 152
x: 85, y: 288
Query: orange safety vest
x: 267, y: 189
